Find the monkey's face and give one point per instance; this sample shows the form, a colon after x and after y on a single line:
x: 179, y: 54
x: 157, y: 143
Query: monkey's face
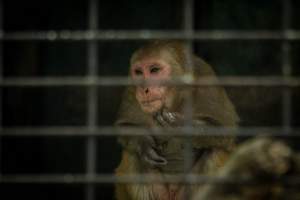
x: 151, y: 97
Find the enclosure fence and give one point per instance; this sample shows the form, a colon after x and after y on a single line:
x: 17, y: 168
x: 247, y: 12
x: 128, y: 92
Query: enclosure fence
x: 92, y: 81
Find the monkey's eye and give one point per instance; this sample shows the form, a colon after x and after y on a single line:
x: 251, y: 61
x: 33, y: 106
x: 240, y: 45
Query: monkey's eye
x: 154, y: 70
x: 138, y: 72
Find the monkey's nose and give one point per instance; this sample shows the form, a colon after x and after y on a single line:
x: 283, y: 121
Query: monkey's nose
x: 147, y: 90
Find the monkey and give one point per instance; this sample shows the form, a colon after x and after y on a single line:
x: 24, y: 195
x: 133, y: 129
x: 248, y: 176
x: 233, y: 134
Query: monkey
x: 159, y: 105
x: 263, y: 163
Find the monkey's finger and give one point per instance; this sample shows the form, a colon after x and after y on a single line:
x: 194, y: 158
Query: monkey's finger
x: 154, y: 159
x: 173, y: 118
x: 149, y: 141
x: 154, y: 162
x: 161, y: 121
x: 170, y: 117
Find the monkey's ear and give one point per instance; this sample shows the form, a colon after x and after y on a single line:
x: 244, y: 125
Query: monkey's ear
x: 202, y: 68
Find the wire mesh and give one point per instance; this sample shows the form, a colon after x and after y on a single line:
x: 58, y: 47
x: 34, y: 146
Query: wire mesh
x: 91, y: 81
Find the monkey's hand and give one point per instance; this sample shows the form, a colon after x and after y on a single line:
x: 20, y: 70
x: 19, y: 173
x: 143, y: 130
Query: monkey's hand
x: 146, y: 148
x: 166, y: 118
x: 148, y: 151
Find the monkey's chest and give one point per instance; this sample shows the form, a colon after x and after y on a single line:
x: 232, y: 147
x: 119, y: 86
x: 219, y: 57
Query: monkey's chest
x: 173, y: 149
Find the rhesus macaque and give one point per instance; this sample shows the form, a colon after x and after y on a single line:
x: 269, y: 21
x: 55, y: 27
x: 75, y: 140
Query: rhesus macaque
x: 163, y: 106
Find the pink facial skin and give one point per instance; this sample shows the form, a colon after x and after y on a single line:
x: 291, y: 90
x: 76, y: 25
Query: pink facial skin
x: 151, y: 97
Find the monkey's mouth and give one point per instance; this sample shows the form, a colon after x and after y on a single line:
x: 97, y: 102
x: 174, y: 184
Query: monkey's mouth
x: 150, y: 101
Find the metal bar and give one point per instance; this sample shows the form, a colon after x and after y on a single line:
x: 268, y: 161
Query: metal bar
x: 286, y: 66
x: 137, y: 178
x: 188, y: 14
x: 74, y: 131
x: 92, y: 107
x: 81, y: 35
x: 1, y: 77
x: 263, y: 81
x: 188, y: 26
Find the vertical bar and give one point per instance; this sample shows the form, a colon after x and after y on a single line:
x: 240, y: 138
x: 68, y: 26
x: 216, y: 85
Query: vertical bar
x: 188, y: 14
x: 188, y: 25
x: 1, y: 74
x: 286, y: 66
x: 91, y: 145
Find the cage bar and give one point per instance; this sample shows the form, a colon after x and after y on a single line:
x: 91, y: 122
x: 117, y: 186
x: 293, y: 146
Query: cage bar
x: 92, y: 107
x: 235, y: 81
x: 188, y: 26
x: 286, y: 66
x: 77, y: 131
x: 207, y: 35
x: 1, y: 77
x: 135, y: 178
x: 188, y: 16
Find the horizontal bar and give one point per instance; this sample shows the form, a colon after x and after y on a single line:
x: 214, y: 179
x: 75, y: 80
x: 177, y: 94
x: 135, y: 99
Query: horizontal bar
x: 267, y: 81
x: 82, y: 35
x: 140, y: 131
x: 137, y: 178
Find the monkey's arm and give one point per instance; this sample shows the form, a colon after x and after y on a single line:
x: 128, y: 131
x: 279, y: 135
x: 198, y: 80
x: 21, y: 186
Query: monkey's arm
x: 204, y: 139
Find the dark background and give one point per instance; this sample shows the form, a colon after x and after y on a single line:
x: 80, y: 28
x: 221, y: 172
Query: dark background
x: 67, y: 106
